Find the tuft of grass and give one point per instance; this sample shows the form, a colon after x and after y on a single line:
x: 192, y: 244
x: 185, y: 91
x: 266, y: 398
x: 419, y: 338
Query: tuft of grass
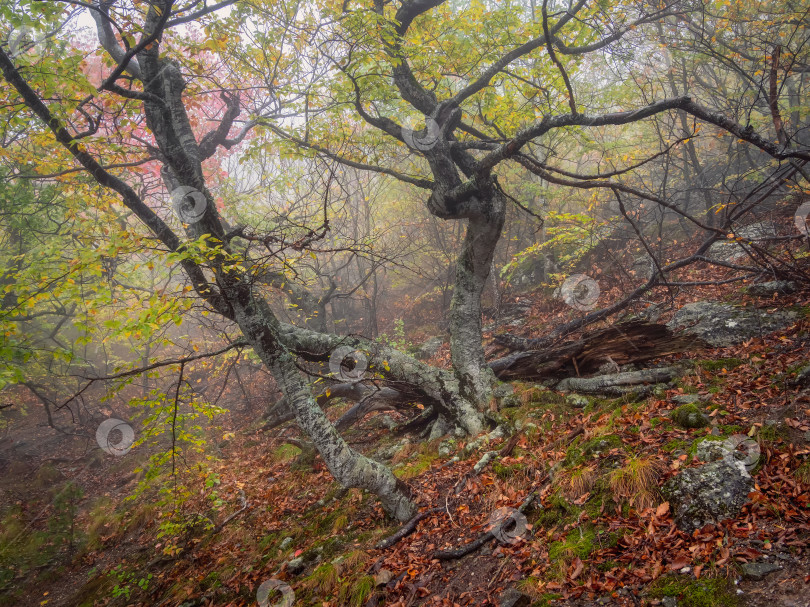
x: 47, y: 477
x: 577, y: 543
x: 354, y: 559
x: 102, y: 519
x: 559, y: 510
x: 531, y: 394
x: 324, y: 580
x: 340, y: 522
x: 578, y: 481
x: 771, y: 433
x: 530, y: 587
x: 600, y: 444
x: 507, y: 471
x: 802, y: 473
x: 636, y: 482
x: 357, y: 594
x: 422, y: 461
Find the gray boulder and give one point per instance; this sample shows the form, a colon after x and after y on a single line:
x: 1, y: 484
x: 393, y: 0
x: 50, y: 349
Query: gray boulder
x: 686, y: 399
x: 729, y: 250
x: 708, y: 494
x: 514, y: 598
x: 758, y: 571
x: 712, y: 449
x: 802, y: 379
x: 769, y: 289
x: 720, y: 324
x: 533, y: 270
x: 429, y: 348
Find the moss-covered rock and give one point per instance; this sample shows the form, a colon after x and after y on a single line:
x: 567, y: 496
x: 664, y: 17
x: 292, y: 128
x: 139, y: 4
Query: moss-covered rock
x: 690, y: 416
x: 708, y: 494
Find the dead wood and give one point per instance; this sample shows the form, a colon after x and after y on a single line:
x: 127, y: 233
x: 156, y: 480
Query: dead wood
x: 406, y: 529
x: 486, y: 537
x: 621, y: 344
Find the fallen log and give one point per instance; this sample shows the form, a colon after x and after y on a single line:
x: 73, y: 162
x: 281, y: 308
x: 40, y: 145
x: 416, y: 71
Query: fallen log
x: 618, y: 384
x: 621, y: 344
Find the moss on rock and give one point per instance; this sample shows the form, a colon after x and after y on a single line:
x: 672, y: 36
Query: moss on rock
x: 690, y: 416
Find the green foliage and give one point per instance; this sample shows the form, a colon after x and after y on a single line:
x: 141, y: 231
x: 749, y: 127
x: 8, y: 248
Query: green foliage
x: 397, y: 339
x: 570, y: 235
x: 126, y: 582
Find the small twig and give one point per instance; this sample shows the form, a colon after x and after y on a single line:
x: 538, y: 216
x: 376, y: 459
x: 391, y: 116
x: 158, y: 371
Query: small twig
x: 245, y: 506
x: 498, y: 573
x: 406, y: 529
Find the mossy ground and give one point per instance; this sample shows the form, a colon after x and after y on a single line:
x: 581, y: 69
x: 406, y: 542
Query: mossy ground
x: 689, y: 592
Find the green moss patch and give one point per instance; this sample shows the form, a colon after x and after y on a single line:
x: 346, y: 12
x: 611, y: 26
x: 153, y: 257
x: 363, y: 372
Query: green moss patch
x: 713, y: 592
x: 719, y: 364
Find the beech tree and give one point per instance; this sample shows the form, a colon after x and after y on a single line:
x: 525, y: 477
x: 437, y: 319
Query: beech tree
x: 339, y: 80
x: 492, y: 85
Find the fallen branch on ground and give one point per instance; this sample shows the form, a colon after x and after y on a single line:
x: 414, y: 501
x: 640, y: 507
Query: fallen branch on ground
x: 486, y: 537
x: 406, y: 529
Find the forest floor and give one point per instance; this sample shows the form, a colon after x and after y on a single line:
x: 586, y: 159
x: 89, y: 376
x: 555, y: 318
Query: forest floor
x: 599, y: 533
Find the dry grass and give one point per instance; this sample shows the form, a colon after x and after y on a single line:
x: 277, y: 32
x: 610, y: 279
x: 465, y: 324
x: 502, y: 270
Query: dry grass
x: 636, y: 483
x: 803, y: 473
x: 530, y: 394
x: 577, y: 482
